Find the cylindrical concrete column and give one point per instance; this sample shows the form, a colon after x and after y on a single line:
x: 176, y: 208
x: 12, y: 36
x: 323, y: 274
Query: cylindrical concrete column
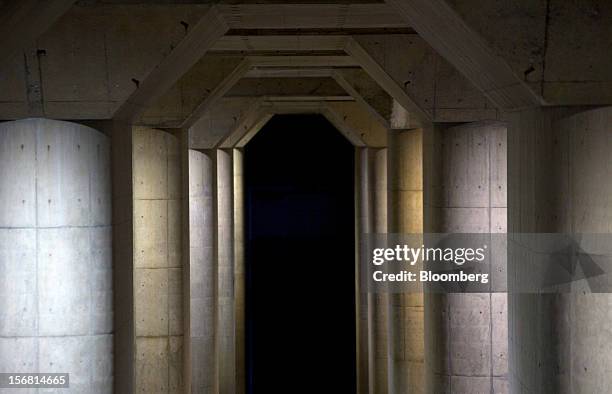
x: 376, y: 159
x: 405, y: 215
x: 226, y: 347
x: 55, y: 252
x: 158, y: 265
x: 202, y: 266
x: 467, y: 346
x: 239, y: 271
x: 364, y: 214
x: 560, y: 181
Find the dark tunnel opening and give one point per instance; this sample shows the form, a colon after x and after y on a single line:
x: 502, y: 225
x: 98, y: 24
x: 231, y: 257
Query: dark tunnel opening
x: 300, y: 253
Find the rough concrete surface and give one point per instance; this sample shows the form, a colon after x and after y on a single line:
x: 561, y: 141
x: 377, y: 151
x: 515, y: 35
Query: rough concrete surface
x: 55, y: 252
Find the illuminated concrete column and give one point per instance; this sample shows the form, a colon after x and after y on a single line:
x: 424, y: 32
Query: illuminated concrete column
x: 239, y: 271
x: 377, y: 303
x: 467, y: 335
x: 55, y: 252
x: 371, y: 189
x: 158, y: 298
x: 364, y: 321
x: 371, y: 171
x: 226, y: 346
x: 405, y: 215
x: 559, y: 181
x: 202, y: 270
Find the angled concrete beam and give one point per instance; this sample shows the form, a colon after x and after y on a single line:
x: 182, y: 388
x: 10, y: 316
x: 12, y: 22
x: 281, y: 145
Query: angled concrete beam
x: 23, y: 21
x: 197, y: 42
x: 310, y: 16
x: 361, y: 58
x: 265, y: 107
x: 357, y: 125
x: 373, y: 97
x: 347, y: 129
x: 280, y: 43
x: 256, y: 114
x: 226, y: 84
x: 382, y: 77
x: 217, y: 122
x: 259, y: 64
x: 379, y: 104
x: 438, y: 24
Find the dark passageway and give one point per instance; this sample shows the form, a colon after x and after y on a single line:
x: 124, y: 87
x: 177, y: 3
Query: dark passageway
x: 299, y: 201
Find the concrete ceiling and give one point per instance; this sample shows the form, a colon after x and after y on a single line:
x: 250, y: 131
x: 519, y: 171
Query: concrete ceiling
x: 166, y: 63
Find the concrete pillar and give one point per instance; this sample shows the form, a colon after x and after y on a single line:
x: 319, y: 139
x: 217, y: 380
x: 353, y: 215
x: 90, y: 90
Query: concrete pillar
x: 371, y: 188
x: 202, y: 270
x: 226, y: 347
x: 372, y: 165
x: 239, y: 272
x: 123, y: 255
x: 158, y: 265
x: 364, y: 214
x: 55, y: 252
x: 405, y: 215
x: 559, y: 180
x: 467, y: 344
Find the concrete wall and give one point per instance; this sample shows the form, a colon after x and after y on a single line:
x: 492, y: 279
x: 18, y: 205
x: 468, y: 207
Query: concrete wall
x: 202, y: 267
x: 55, y: 252
x: 559, y: 181
x: 157, y: 262
x: 405, y: 215
x: 467, y: 344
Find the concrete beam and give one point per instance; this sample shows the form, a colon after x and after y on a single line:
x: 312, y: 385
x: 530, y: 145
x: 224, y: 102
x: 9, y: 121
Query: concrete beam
x: 23, y: 21
x: 365, y: 90
x: 261, y: 111
x: 424, y: 78
x: 224, y: 86
x: 310, y: 16
x: 382, y: 77
x: 218, y: 121
x: 287, y: 87
x: 191, y: 49
x: 309, y: 98
x: 302, y: 61
x: 360, y: 55
x: 261, y: 63
x: 289, y: 72
x: 451, y: 37
x: 281, y: 43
